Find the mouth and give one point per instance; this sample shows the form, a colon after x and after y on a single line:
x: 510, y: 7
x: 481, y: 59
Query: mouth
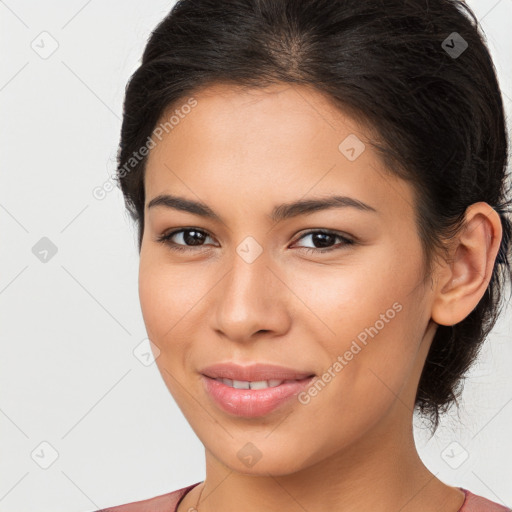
x: 253, y: 399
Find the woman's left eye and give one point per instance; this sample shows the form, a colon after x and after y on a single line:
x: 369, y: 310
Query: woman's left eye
x: 195, y: 236
x: 324, y: 238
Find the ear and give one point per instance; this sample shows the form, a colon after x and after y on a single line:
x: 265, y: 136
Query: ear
x: 464, y: 277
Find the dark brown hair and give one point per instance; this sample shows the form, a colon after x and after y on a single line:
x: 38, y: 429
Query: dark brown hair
x: 417, y: 71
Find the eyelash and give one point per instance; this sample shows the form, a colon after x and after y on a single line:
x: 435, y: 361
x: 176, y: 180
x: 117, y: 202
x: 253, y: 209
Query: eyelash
x: 165, y: 239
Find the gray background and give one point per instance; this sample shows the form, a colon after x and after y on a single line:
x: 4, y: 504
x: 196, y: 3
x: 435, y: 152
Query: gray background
x: 74, y: 380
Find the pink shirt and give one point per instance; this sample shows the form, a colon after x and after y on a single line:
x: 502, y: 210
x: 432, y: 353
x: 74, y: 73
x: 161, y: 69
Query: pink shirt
x: 169, y: 503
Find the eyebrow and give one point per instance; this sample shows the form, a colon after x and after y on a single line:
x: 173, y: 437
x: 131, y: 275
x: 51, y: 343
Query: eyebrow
x: 280, y: 212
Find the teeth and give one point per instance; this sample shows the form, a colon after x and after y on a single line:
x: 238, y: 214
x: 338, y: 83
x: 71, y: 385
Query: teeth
x: 240, y: 384
x: 260, y: 384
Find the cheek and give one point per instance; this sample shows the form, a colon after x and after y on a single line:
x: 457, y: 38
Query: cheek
x: 375, y: 314
x: 161, y: 313
x: 165, y: 297
x: 162, y: 308
x: 153, y: 302
x: 171, y: 299
x: 349, y: 299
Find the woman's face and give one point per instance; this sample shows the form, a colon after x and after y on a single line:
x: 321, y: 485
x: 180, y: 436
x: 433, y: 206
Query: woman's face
x: 252, y: 284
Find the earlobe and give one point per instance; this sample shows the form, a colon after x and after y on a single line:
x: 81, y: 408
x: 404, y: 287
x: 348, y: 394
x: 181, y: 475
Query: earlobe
x: 463, y: 279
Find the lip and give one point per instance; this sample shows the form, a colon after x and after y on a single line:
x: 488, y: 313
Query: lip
x: 251, y: 403
x: 253, y: 372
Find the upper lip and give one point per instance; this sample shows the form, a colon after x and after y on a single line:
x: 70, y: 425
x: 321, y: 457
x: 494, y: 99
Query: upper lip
x: 253, y: 372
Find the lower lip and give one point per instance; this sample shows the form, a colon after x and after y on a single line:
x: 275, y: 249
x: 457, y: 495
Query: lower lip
x: 251, y: 403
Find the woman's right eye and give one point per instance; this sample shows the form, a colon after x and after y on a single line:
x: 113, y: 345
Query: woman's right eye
x: 191, y: 236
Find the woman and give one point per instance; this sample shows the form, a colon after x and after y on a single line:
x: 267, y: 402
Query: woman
x: 320, y: 193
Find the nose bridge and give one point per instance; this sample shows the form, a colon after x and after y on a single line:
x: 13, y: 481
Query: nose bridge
x: 247, y: 283
x: 248, y: 300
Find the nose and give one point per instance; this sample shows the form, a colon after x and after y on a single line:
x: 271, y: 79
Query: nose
x: 252, y: 301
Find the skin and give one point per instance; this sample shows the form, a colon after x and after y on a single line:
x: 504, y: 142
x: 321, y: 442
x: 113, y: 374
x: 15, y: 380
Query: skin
x: 242, y: 152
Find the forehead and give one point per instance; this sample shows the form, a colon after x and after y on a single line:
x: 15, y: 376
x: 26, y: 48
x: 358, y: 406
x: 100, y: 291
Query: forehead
x: 278, y: 114
x: 284, y: 141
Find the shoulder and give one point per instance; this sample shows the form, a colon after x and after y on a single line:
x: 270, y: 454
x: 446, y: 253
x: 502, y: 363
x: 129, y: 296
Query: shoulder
x: 163, y: 503
x: 476, y: 503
